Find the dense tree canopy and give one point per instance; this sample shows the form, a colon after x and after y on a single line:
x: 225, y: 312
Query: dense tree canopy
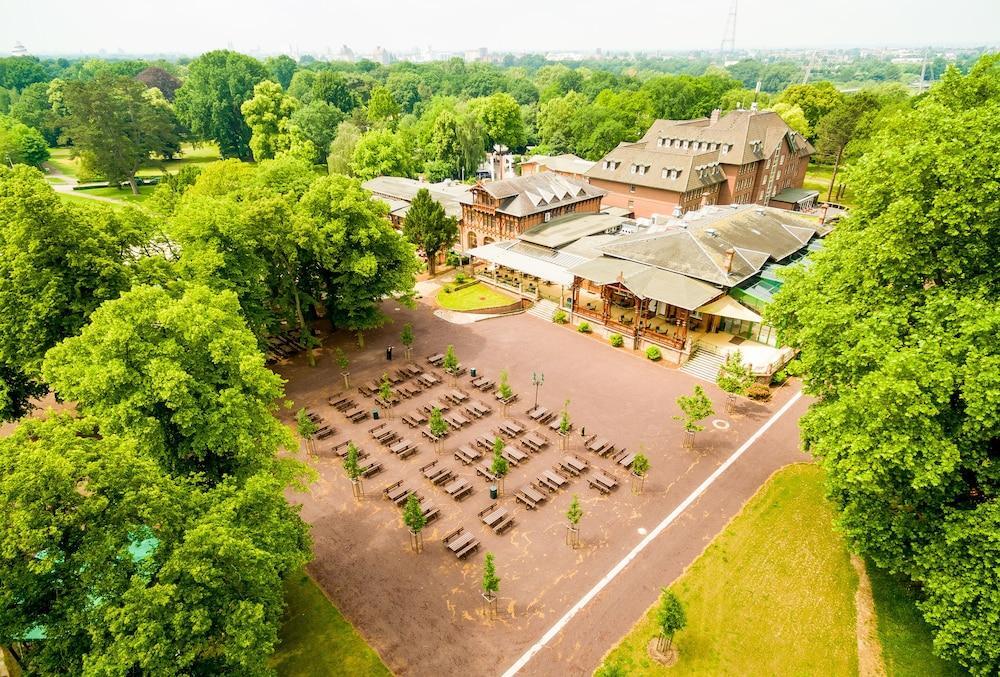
x: 20, y: 143
x: 209, y: 101
x: 381, y: 153
x: 897, y: 321
x: 115, y: 126
x: 428, y: 227
x: 268, y: 114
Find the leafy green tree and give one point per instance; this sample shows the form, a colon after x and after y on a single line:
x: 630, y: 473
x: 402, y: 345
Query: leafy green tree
x: 281, y: 69
x: 670, y: 618
x: 268, y: 114
x: 428, y: 227
x: 34, y: 109
x: 351, y: 466
x: 306, y: 428
x: 501, y: 120
x: 499, y: 466
x: 815, y: 99
x: 382, y: 109
x: 20, y: 143
x: 450, y: 361
x: 182, y: 373
x: 413, y: 518
x: 301, y: 85
x: 381, y: 152
x: 734, y: 376
x: 334, y: 88
x: 438, y: 426
x: 491, y: 582
x: 57, y: 264
x: 793, y: 117
x: 350, y: 253
x: 20, y: 72
x: 115, y: 127
x: 504, y: 388
x: 696, y: 407
x: 405, y: 88
x: 317, y: 122
x: 564, y: 421
x: 210, y: 99
x: 906, y: 413
x: 574, y: 513
x: 837, y: 129
x: 342, y: 148
x: 406, y: 337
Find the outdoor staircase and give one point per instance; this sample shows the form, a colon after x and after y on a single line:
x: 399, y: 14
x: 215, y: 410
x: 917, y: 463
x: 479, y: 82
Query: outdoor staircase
x: 543, y: 309
x: 703, y: 364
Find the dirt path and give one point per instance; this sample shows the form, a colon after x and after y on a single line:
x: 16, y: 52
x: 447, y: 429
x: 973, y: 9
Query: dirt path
x: 870, y: 663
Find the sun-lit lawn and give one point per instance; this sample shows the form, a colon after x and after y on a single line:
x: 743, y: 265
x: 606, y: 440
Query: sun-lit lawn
x: 818, y: 178
x: 475, y: 297
x: 906, y: 638
x: 77, y: 198
x: 190, y: 156
x: 772, y: 595
x: 315, y: 639
x: 122, y: 194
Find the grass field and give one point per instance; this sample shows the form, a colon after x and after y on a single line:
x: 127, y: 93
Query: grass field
x: 190, y: 156
x: 818, y: 178
x: 75, y: 198
x: 476, y: 297
x: 315, y: 639
x: 123, y: 195
x: 772, y: 595
x: 906, y: 638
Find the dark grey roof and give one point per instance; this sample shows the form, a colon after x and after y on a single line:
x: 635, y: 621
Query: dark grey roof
x: 569, y: 228
x: 399, y: 191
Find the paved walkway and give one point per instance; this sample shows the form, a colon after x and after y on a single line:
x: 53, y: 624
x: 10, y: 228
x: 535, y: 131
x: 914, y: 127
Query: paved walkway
x: 67, y: 183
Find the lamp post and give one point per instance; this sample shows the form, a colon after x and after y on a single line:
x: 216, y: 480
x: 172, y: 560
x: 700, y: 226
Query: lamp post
x: 537, y: 379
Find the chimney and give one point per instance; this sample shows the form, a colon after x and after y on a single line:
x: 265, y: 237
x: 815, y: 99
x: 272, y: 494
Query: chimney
x: 727, y: 262
x: 715, y: 116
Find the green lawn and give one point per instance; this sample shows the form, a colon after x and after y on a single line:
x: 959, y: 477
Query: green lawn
x: 772, y: 595
x: 818, y: 178
x: 475, y: 297
x: 75, y: 198
x: 121, y: 194
x: 315, y: 639
x: 906, y: 638
x: 190, y: 156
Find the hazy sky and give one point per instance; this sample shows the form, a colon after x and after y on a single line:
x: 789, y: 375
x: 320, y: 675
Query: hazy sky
x: 190, y: 26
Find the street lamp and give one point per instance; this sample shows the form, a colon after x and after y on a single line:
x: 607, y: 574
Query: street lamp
x: 537, y: 379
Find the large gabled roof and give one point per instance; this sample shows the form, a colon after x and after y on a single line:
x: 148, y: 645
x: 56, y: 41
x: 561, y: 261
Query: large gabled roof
x: 569, y: 228
x: 666, y: 169
x: 566, y: 163
x: 536, y: 193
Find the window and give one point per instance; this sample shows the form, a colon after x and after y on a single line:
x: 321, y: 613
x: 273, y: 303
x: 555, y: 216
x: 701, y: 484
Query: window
x: 631, y: 204
x: 781, y: 160
x: 664, y: 173
x: 548, y: 216
x: 631, y: 188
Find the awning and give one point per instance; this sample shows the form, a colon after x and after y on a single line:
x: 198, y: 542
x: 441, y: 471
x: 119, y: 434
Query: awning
x: 498, y: 253
x: 727, y: 306
x: 607, y: 269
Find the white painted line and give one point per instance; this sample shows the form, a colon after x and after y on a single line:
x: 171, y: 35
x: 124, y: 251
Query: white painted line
x: 667, y: 521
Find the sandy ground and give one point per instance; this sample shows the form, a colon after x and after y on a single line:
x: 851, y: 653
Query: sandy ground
x: 423, y: 613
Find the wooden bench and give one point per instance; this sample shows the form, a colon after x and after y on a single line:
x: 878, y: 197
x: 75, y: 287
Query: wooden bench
x: 468, y: 455
x: 460, y: 542
x: 431, y: 512
x: 431, y: 436
x: 373, y: 468
x: 459, y: 488
x: 484, y: 470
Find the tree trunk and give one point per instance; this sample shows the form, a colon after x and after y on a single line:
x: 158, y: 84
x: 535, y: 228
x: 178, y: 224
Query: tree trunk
x: 833, y: 179
x: 303, y: 330
x: 431, y: 263
x: 133, y: 185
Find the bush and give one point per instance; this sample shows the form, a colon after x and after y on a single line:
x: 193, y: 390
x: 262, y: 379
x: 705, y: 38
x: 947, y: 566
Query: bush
x: 653, y: 353
x: 460, y: 277
x: 584, y: 328
x: 452, y: 259
x: 794, y: 368
x: 779, y: 377
x: 447, y: 289
x: 759, y: 391
x: 560, y: 317
x: 616, y: 340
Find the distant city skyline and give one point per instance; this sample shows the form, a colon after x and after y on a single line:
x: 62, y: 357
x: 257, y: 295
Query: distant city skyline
x: 518, y: 26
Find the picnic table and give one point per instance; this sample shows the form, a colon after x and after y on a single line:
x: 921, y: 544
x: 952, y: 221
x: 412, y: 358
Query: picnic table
x: 356, y: 414
x: 408, y: 390
x: 428, y: 380
x: 458, y: 488
x: 514, y: 455
x: 599, y: 445
x: 436, y: 473
x: 555, y: 425
x: 403, y: 448
x: 483, y: 383
x: 436, y: 358
x: 534, y: 441
x: 601, y: 482
x: 436, y: 404
x: 456, y: 396
x: 468, y: 455
x: 497, y: 518
x: 574, y: 464
x: 397, y: 493
x: 460, y: 542
x: 510, y: 428
x: 372, y: 468
x: 456, y: 420
x: 484, y: 470
x: 530, y: 496
x: 551, y: 480
x: 537, y: 413
x: 341, y: 403
x: 484, y: 442
x: 413, y: 370
x: 625, y: 458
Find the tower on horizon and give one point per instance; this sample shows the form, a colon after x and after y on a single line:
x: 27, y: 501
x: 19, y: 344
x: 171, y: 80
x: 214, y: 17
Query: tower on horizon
x: 728, y: 45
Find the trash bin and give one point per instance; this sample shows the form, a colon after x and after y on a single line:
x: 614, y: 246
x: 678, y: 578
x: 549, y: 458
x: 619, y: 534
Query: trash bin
x: 375, y: 414
x: 472, y: 372
x: 493, y: 491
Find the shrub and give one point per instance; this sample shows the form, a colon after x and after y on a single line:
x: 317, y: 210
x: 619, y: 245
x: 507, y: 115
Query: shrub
x: 447, y: 289
x: 794, y: 368
x: 460, y: 277
x: 560, y: 317
x: 779, y: 377
x: 584, y: 328
x: 452, y: 259
x: 616, y: 340
x: 653, y: 353
x: 759, y: 391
